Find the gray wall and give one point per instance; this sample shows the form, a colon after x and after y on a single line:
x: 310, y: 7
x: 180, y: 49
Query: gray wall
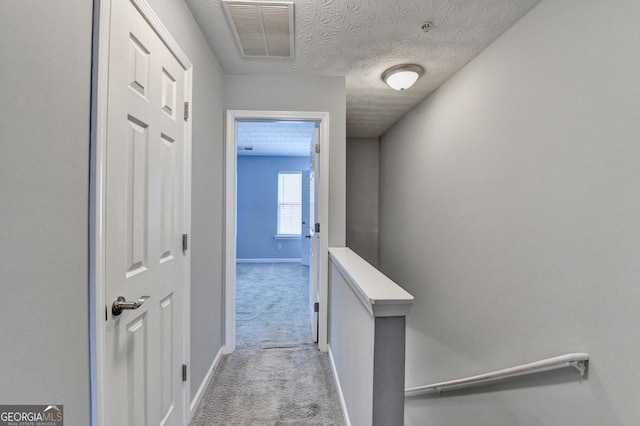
x: 257, y: 212
x: 362, y: 198
x: 302, y: 93
x: 510, y: 210
x: 45, y: 81
x: 44, y: 188
x: 352, y: 341
x: 207, y: 192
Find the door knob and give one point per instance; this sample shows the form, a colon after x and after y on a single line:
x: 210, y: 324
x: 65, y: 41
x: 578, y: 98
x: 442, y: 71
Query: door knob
x: 121, y: 303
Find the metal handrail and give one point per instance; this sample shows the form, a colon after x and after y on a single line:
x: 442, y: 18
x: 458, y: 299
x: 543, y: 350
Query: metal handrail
x: 575, y: 360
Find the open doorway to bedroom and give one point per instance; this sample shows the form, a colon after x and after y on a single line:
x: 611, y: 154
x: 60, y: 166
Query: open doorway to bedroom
x: 318, y: 221
x: 275, y: 212
x: 316, y: 306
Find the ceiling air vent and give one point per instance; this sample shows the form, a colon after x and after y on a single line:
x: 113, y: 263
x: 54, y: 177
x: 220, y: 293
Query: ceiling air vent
x: 262, y: 28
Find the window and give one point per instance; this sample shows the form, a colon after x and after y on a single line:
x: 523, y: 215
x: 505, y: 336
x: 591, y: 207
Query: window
x: 289, y: 203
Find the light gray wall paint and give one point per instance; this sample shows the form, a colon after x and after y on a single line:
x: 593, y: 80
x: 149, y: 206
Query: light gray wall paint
x: 45, y: 81
x: 367, y: 351
x: 207, y: 176
x: 352, y: 344
x: 44, y: 175
x: 388, y: 368
x: 362, y: 198
x: 302, y: 93
x: 510, y: 210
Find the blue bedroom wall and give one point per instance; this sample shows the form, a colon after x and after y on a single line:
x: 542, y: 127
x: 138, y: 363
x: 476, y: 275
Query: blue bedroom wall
x: 257, y: 207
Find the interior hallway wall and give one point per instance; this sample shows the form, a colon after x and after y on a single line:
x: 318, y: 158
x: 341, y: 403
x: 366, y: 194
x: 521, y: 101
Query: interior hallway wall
x: 44, y: 175
x: 45, y: 81
x: 302, y: 93
x: 362, y: 197
x: 207, y: 191
x: 510, y: 210
x: 258, y: 207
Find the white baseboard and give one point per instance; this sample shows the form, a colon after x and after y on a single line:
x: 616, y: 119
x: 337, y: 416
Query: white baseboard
x: 203, y: 386
x: 343, y: 403
x: 268, y: 260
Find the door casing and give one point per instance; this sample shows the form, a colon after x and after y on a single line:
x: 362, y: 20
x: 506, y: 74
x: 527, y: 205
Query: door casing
x: 97, y: 196
x: 230, y: 213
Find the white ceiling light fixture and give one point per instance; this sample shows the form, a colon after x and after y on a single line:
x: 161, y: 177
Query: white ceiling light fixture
x: 402, y: 77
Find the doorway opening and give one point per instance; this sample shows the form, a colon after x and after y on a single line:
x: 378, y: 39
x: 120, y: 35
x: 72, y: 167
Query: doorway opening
x: 274, y: 207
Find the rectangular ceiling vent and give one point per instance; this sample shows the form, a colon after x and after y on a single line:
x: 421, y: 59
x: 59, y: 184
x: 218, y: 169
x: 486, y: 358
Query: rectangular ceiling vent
x: 262, y: 28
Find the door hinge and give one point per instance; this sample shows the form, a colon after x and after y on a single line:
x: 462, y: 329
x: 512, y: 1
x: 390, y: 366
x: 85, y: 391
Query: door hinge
x: 185, y: 242
x: 186, y: 111
x: 316, y: 307
x: 317, y: 148
x: 317, y: 228
x: 184, y: 372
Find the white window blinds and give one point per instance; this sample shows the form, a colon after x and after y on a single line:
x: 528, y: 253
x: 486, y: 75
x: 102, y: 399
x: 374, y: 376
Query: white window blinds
x: 289, y: 203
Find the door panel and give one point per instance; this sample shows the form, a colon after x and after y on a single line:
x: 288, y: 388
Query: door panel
x: 137, y: 369
x: 144, y: 221
x: 315, y: 236
x: 137, y: 184
x: 167, y: 361
x: 305, y: 237
x: 167, y: 202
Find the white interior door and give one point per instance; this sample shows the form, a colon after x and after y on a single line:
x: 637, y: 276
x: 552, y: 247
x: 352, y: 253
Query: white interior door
x: 305, y: 240
x: 314, y: 270
x: 144, y: 222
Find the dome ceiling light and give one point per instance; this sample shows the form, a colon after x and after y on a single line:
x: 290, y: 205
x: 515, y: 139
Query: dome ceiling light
x: 402, y: 77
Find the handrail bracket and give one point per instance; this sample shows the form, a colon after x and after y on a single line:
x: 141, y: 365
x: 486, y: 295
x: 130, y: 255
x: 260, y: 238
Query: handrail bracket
x: 581, y: 366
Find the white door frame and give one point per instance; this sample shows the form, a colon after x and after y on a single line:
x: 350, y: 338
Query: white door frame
x: 231, y: 155
x: 97, y: 325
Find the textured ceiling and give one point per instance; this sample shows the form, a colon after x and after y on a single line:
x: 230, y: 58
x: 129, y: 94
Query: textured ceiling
x: 360, y: 39
x: 281, y: 138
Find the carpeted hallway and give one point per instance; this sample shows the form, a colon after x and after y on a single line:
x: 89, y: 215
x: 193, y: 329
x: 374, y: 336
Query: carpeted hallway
x: 276, y: 376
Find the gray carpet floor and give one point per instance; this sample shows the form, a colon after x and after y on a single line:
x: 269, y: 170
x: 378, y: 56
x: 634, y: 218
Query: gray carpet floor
x: 276, y: 376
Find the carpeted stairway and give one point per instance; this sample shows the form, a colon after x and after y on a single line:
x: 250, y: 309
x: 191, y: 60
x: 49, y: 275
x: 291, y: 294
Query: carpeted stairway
x: 276, y: 376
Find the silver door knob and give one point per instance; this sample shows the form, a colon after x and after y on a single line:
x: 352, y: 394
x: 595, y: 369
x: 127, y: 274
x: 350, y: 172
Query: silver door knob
x: 121, y: 303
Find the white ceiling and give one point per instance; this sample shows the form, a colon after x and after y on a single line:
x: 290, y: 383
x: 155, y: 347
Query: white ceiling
x: 275, y: 138
x: 360, y: 39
